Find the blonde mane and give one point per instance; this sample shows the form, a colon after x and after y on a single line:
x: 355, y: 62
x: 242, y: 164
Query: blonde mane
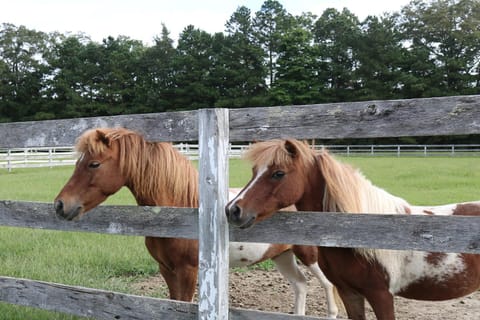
x: 151, y: 167
x: 274, y: 152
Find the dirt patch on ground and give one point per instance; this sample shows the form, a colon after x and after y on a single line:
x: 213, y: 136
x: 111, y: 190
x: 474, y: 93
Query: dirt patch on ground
x: 268, y: 291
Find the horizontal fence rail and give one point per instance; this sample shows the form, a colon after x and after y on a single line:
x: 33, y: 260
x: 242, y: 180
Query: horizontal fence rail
x: 456, y: 115
x: 397, y: 232
x: 369, y: 119
x: 101, y: 304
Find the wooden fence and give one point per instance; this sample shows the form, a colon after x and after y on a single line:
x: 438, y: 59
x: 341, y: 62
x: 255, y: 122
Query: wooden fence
x: 213, y: 129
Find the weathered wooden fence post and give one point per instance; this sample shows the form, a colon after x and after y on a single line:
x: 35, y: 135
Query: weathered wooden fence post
x: 213, y: 227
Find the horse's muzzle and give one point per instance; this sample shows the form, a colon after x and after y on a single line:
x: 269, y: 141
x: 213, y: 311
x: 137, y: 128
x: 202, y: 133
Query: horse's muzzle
x: 236, y: 217
x: 62, y: 213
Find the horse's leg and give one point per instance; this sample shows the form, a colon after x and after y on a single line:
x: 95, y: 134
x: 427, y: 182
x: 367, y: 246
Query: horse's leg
x: 288, y: 267
x: 330, y: 293
x: 181, y: 282
x: 354, y: 304
x: 180, y: 272
x: 382, y: 304
x: 308, y: 255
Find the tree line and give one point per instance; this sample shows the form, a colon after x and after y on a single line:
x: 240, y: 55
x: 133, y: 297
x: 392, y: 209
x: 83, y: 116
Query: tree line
x: 263, y: 58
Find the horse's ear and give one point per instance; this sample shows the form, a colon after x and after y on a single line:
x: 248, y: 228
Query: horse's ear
x: 291, y: 148
x: 102, y: 137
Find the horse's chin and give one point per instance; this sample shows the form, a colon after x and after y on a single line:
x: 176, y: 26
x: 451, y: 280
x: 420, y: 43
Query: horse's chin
x: 243, y: 222
x: 73, y: 215
x: 248, y: 223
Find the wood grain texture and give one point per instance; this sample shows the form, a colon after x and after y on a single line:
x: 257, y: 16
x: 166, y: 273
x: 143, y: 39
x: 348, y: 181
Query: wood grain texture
x: 125, y: 220
x: 408, y: 232
x: 101, y: 304
x: 168, y: 126
x: 380, y: 231
x: 389, y: 118
x: 368, y: 119
x: 213, y: 225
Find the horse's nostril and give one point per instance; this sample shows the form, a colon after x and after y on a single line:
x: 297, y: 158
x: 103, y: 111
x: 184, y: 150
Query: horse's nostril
x: 235, y: 211
x: 58, y: 205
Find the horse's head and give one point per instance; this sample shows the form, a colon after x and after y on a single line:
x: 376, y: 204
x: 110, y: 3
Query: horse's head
x: 278, y: 181
x: 97, y: 175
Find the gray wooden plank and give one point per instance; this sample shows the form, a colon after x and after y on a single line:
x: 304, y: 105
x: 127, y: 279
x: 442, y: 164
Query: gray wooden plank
x: 101, y: 304
x: 213, y: 225
x: 390, y: 118
x: 368, y: 119
x: 168, y: 126
x: 125, y: 220
x: 383, y: 231
x: 98, y: 304
x: 408, y: 232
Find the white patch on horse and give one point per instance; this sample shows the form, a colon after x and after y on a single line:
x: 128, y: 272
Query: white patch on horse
x: 232, y: 192
x: 243, y: 254
x: 260, y: 172
x: 406, y: 267
x: 81, y: 157
x: 445, y: 210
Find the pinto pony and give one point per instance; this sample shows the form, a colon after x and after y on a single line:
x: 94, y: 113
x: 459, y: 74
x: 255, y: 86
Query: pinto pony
x: 287, y: 172
x: 158, y: 175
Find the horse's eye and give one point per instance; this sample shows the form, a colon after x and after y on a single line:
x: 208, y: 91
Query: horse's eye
x: 94, y: 165
x: 277, y: 175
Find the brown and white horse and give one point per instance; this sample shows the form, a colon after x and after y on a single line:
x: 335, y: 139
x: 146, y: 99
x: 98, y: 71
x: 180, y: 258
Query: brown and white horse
x: 158, y: 175
x: 287, y: 172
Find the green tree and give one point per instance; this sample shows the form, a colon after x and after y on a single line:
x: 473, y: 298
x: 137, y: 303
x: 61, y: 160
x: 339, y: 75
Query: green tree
x: 335, y: 35
x: 240, y: 68
x: 117, y: 74
x: 193, y: 69
x: 380, y: 56
x: 65, y: 90
x: 22, y: 71
x: 270, y: 23
x: 297, y: 81
x: 155, y: 82
x: 445, y: 35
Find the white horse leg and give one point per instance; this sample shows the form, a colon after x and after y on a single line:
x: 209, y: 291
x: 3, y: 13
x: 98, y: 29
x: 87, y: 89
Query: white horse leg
x: 288, y: 267
x: 332, y: 308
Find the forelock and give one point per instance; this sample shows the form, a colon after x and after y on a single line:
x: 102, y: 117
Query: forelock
x: 273, y: 152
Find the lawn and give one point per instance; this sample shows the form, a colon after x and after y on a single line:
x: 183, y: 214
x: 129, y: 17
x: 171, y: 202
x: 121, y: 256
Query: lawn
x: 117, y: 262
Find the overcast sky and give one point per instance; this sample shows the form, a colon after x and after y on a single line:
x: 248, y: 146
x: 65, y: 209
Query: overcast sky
x: 142, y: 19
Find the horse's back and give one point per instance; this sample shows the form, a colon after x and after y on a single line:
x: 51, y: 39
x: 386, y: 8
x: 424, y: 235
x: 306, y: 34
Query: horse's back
x: 455, y: 209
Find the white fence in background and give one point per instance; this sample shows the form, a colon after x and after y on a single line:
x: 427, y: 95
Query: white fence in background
x: 36, y: 157
x: 406, y: 150
x: 60, y: 156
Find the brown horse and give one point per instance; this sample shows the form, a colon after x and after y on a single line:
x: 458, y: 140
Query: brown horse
x: 287, y: 172
x: 158, y: 175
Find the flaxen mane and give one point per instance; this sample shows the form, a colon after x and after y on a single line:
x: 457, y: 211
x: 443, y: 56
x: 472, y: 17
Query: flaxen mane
x: 152, y: 167
x: 274, y: 152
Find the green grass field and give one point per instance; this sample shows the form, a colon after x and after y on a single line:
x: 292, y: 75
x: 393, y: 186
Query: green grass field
x: 118, y: 262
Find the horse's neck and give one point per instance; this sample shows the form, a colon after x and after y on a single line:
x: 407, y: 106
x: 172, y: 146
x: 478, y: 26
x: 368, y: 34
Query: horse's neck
x: 147, y: 200
x: 314, y: 192
x: 175, y: 185
x: 372, y: 199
